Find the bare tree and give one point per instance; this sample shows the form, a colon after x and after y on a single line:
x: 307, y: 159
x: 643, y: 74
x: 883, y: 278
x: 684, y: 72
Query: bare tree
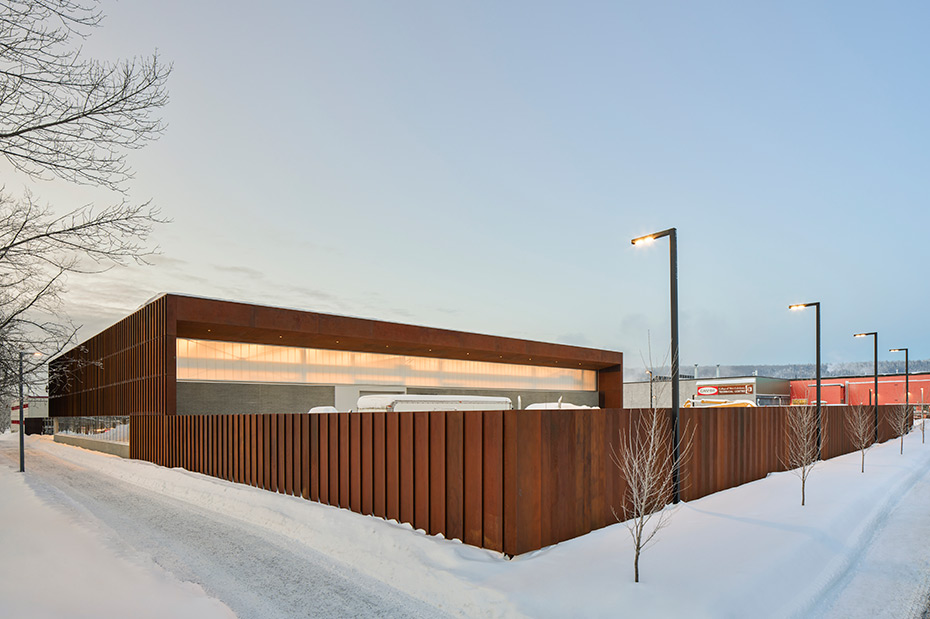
x: 923, y: 418
x: 901, y: 419
x: 66, y: 115
x: 860, y: 428
x: 63, y: 115
x: 38, y: 249
x: 646, y: 460
x: 801, y: 444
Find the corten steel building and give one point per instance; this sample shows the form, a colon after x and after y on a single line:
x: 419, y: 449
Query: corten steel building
x: 181, y: 355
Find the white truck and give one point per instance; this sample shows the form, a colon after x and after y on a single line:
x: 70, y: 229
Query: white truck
x: 550, y: 406
x: 400, y: 403
x: 319, y: 410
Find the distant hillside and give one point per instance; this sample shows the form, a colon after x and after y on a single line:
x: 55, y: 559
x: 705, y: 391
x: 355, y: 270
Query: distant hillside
x: 790, y: 371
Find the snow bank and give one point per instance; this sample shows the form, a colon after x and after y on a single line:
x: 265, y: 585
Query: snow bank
x: 53, y: 567
x: 416, y: 564
x: 748, y: 551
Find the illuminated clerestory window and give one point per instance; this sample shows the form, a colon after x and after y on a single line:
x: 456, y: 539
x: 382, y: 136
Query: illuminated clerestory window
x: 205, y: 360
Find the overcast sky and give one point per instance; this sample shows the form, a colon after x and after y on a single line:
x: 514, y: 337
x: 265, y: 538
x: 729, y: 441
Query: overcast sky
x: 482, y: 166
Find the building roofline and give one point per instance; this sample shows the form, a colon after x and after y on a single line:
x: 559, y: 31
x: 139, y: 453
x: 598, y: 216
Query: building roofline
x: 233, y: 321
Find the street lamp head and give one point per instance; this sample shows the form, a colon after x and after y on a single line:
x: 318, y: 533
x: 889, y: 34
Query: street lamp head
x: 866, y: 334
x: 897, y: 350
x: 649, y: 238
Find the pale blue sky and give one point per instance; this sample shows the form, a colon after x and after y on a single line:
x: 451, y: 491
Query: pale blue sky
x: 483, y: 166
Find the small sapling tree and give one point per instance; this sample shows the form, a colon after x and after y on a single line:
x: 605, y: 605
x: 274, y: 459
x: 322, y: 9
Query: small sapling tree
x: 645, y: 455
x: 901, y: 419
x: 645, y: 460
x: 923, y: 418
x: 860, y: 429
x: 801, y: 444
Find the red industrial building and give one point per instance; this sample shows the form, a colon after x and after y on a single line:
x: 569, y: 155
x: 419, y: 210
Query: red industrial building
x: 852, y: 390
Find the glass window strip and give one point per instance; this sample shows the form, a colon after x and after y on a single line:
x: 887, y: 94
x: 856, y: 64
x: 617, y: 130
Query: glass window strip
x: 235, y: 362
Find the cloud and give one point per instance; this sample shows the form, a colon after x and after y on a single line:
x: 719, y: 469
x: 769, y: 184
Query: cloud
x: 239, y: 271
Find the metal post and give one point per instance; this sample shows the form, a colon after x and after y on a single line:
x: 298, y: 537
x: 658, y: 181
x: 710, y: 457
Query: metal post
x: 907, y: 374
x: 22, y: 425
x: 875, y: 344
x: 816, y: 305
x: 874, y: 335
x: 673, y: 257
x: 819, y: 418
x: 672, y: 235
x: 652, y: 403
x: 907, y: 383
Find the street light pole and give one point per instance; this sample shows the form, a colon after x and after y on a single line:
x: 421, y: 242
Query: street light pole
x: 672, y: 235
x: 22, y: 425
x: 816, y: 305
x: 907, y: 384
x: 652, y: 403
x: 874, y: 335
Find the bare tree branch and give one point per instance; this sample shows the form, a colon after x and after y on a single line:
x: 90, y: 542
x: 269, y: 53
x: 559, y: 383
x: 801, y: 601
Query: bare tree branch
x: 860, y: 429
x: 62, y: 114
x: 901, y: 418
x: 38, y: 249
x: 67, y: 116
x: 801, y: 445
x: 645, y: 457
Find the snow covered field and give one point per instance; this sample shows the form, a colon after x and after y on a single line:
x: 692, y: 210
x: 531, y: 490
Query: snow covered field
x: 858, y: 549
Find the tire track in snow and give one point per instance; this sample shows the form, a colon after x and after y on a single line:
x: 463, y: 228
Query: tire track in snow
x: 255, y: 573
x: 863, y: 587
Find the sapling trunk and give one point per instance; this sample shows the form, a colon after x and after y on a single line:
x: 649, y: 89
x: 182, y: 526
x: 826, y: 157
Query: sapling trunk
x: 801, y: 451
x: 860, y: 429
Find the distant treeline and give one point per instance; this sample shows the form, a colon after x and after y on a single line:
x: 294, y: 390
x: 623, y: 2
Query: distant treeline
x: 789, y: 371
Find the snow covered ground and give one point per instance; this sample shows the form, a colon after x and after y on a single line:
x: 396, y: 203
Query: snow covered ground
x: 55, y: 566
x: 857, y: 549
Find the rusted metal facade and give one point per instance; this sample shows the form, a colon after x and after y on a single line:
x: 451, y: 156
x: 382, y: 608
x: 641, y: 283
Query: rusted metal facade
x: 131, y: 367
x: 733, y: 446
x: 128, y: 369
x: 512, y: 481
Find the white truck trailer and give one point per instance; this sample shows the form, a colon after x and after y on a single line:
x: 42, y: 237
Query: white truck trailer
x: 400, y: 403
